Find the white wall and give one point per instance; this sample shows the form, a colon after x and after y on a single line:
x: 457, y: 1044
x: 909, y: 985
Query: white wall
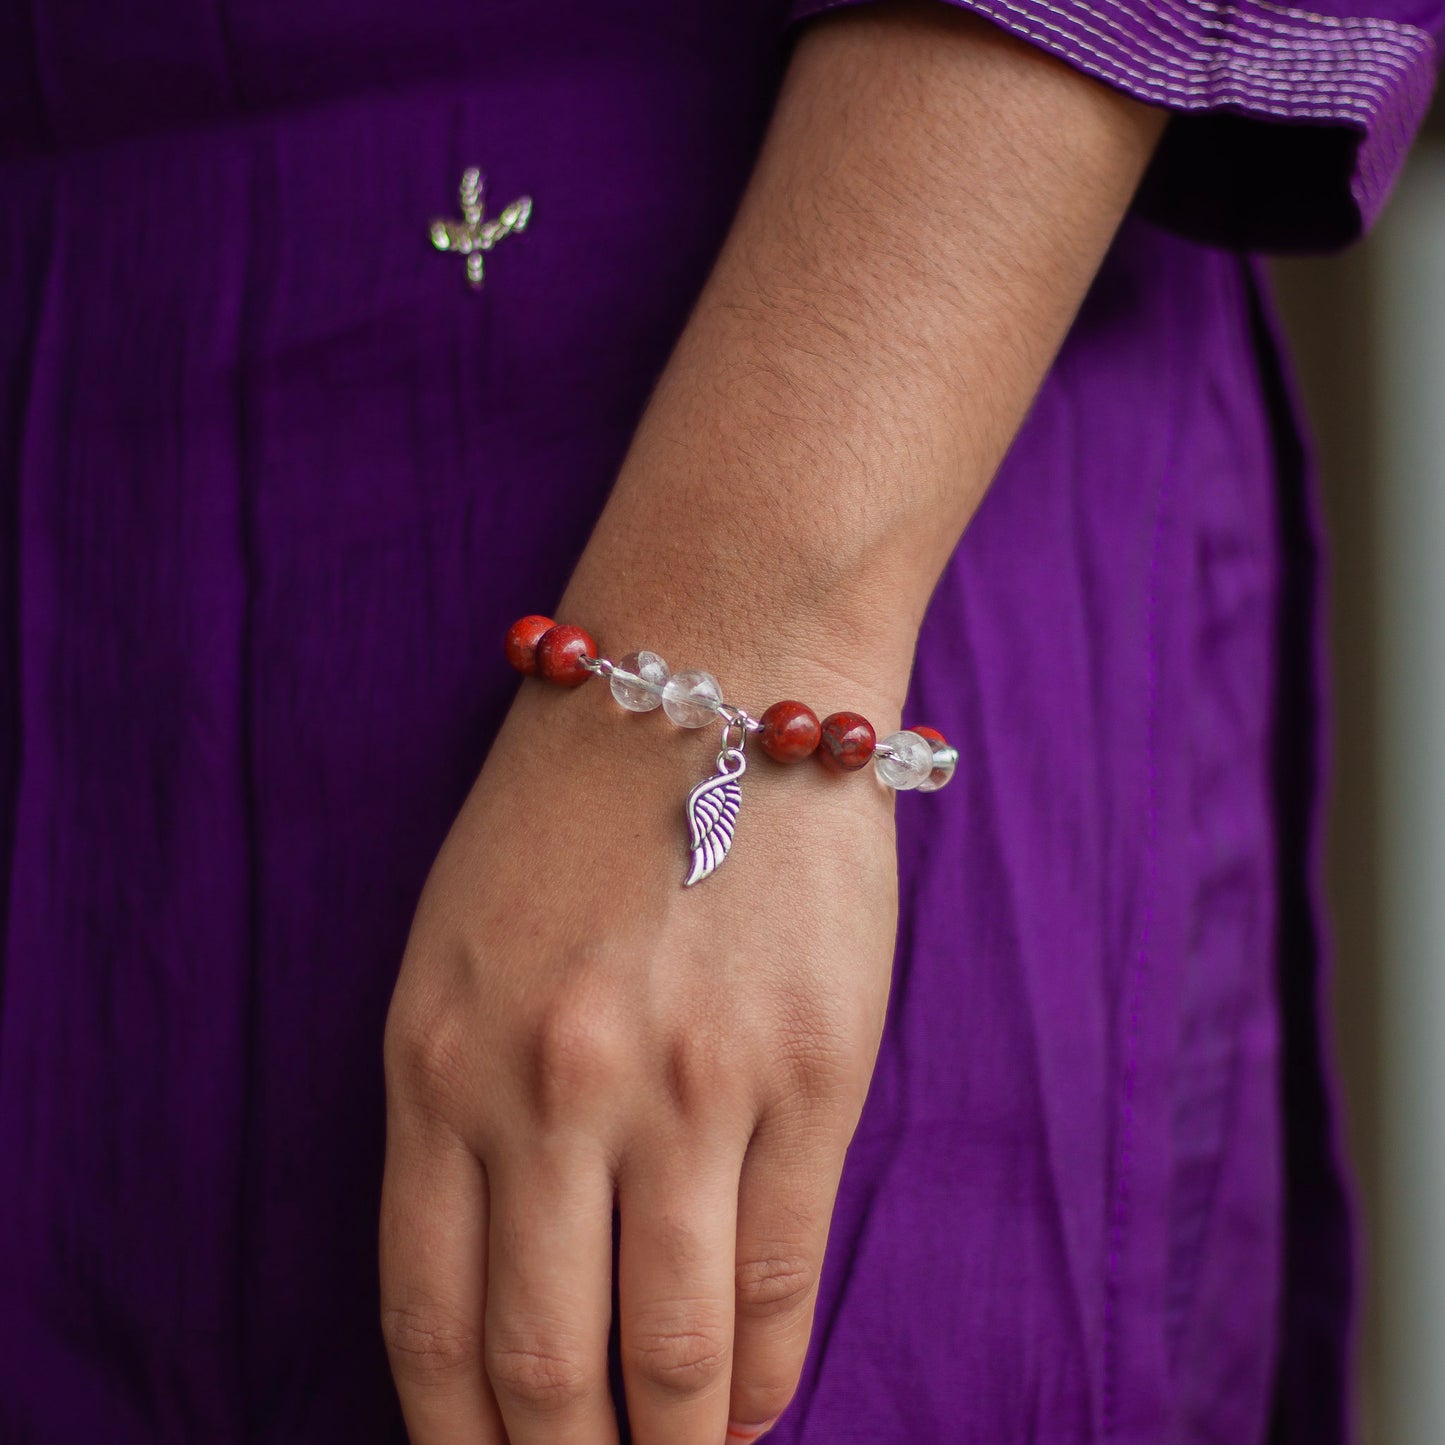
x: 1409, y: 372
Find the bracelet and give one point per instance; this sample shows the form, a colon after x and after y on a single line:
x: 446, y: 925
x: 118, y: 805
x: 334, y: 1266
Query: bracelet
x: 917, y: 758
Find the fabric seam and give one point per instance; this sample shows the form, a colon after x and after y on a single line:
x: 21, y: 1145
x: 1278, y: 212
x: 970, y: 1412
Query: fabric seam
x: 1124, y: 1156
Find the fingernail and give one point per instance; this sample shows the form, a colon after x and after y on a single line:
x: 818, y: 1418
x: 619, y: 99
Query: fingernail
x: 742, y: 1434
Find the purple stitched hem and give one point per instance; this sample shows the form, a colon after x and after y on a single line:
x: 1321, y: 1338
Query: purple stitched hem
x: 1349, y: 92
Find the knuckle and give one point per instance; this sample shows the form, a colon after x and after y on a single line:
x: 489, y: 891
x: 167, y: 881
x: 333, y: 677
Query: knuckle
x: 680, y: 1352
x: 425, y: 1054
x: 429, y: 1344
x: 815, y: 1048
x: 764, y: 1397
x: 575, y: 1053
x: 536, y: 1368
x: 819, y: 1064
x: 699, y: 1080
x: 773, y: 1284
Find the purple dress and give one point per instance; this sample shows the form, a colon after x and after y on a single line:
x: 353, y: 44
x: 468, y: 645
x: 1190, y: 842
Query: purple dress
x: 272, y: 485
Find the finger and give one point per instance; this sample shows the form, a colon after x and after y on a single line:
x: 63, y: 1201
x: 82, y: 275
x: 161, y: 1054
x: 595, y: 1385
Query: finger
x: 785, y: 1204
x: 675, y: 1295
x: 549, y: 1298
x: 433, y: 1283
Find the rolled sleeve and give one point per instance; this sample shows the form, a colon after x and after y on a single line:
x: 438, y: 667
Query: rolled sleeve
x: 1289, y: 125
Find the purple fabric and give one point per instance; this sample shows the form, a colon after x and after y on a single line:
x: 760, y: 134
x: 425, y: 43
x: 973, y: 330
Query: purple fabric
x: 272, y: 485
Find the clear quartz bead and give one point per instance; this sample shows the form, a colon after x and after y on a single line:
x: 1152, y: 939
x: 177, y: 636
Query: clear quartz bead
x: 945, y: 760
x: 637, y: 681
x: 690, y: 699
x: 913, y: 764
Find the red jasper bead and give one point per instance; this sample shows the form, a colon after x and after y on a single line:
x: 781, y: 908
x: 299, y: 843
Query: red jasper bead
x: 521, y: 644
x: 560, y: 651
x: 847, y: 742
x: 932, y: 734
x: 790, y: 731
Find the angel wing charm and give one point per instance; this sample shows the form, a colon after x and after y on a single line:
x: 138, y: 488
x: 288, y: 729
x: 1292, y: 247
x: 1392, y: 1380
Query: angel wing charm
x: 712, y: 814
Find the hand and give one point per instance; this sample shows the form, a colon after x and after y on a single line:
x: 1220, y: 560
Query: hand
x: 572, y: 1029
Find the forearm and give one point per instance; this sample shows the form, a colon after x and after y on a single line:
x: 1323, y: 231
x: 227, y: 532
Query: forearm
x: 929, y: 208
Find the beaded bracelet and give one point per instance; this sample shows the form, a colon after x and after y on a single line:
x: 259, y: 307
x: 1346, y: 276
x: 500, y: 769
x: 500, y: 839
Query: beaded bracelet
x: 788, y: 731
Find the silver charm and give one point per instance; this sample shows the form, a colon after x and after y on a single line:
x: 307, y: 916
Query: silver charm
x: 712, y: 807
x: 471, y: 236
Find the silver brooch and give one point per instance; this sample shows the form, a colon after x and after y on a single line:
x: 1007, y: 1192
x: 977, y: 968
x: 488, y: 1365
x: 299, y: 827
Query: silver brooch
x: 471, y: 236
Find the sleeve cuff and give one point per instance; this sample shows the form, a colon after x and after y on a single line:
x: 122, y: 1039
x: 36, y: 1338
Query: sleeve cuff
x: 1290, y: 127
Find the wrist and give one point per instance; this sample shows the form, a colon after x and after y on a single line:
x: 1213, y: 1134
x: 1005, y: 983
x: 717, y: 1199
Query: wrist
x: 833, y: 656
x: 768, y: 612
x: 788, y: 730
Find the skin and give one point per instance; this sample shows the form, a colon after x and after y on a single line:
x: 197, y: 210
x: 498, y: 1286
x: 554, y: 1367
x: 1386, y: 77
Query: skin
x: 572, y: 1030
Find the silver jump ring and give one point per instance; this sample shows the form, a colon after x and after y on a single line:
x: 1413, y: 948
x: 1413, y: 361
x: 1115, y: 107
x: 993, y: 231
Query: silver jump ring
x: 728, y: 725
